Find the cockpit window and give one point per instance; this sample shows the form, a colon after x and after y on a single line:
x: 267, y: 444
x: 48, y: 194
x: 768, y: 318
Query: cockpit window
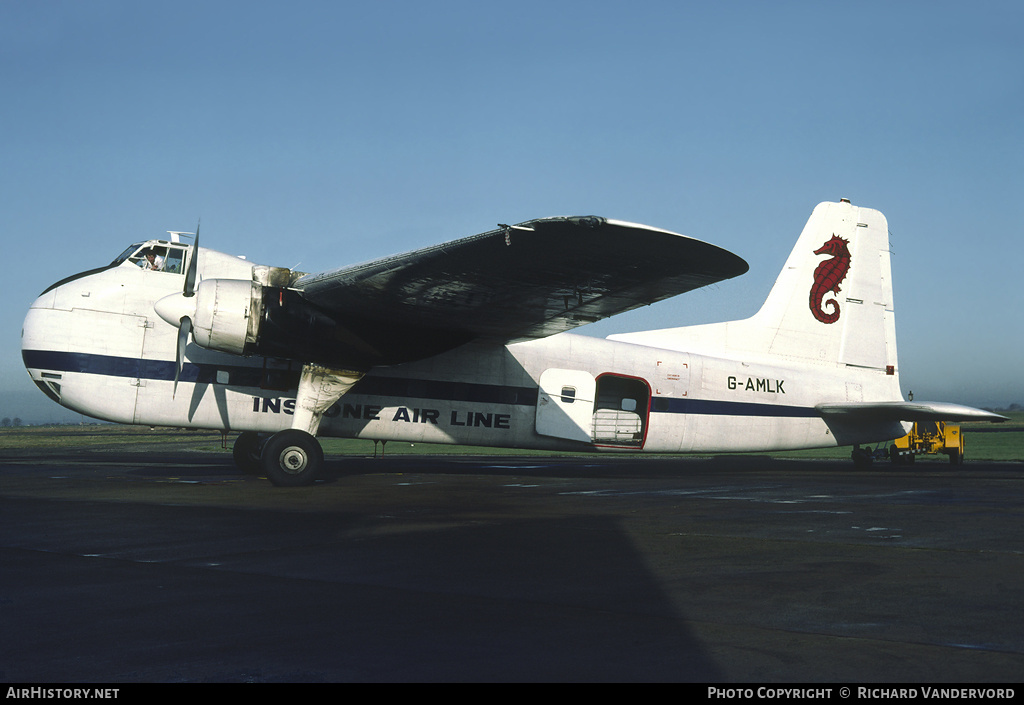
x: 126, y: 254
x: 175, y: 262
x: 172, y: 259
x: 150, y: 258
x: 158, y: 258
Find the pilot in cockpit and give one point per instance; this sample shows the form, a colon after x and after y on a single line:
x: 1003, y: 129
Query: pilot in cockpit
x: 151, y: 260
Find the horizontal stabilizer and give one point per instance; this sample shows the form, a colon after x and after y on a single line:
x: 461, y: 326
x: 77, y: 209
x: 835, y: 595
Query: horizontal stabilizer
x: 907, y: 411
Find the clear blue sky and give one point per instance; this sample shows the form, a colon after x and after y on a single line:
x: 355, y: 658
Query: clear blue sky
x: 318, y: 134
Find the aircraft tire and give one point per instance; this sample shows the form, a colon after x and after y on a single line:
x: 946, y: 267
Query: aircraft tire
x: 861, y: 457
x: 246, y: 452
x: 292, y: 458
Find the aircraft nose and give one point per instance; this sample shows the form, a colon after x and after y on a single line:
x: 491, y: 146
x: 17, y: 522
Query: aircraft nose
x: 33, y: 328
x: 37, y: 347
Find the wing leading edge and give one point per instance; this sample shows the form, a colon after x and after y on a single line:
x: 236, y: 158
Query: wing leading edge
x: 519, y: 282
x: 906, y: 411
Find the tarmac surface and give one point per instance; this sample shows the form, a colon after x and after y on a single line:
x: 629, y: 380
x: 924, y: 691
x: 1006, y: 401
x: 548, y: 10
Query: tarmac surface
x: 170, y: 566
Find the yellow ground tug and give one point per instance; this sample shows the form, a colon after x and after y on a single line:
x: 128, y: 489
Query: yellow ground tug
x: 929, y: 437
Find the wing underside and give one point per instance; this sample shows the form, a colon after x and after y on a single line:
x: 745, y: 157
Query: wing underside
x: 519, y: 282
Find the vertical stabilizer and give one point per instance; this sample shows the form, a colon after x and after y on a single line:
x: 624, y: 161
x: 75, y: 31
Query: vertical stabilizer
x: 831, y: 304
x: 833, y: 300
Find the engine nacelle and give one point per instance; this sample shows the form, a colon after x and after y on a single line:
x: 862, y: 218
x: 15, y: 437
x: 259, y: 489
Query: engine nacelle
x: 227, y: 315
x: 265, y: 316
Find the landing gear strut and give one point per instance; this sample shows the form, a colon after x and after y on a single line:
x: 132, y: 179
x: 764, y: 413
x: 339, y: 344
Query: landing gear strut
x: 294, y: 457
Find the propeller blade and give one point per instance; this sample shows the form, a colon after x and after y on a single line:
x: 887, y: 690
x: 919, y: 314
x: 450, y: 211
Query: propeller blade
x: 184, y: 329
x: 171, y: 307
x: 190, y: 274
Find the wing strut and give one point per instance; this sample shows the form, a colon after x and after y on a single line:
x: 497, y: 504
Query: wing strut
x: 319, y: 388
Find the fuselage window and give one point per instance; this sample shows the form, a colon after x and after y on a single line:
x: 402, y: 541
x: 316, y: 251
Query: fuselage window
x: 568, y: 395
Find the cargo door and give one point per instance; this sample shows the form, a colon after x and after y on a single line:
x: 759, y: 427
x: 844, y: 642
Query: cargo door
x: 622, y: 411
x: 565, y: 404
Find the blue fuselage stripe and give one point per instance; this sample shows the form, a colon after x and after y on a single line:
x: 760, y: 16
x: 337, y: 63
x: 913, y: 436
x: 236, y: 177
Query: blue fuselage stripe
x: 716, y: 407
x: 392, y: 387
x: 131, y: 367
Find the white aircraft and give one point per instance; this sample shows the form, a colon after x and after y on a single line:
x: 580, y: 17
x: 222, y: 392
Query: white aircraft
x: 466, y: 343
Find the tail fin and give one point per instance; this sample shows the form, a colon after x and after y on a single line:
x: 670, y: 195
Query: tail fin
x: 833, y: 300
x: 831, y: 305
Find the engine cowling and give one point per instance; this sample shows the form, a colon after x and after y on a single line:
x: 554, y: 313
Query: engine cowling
x: 225, y: 314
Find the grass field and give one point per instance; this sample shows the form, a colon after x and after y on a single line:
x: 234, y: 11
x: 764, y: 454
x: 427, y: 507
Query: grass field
x: 983, y: 441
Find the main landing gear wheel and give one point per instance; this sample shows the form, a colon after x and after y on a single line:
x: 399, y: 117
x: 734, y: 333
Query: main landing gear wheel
x: 862, y: 458
x: 292, y: 458
x: 246, y: 452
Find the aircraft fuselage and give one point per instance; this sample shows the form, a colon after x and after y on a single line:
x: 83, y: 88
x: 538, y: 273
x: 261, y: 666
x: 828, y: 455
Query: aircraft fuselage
x: 94, y: 344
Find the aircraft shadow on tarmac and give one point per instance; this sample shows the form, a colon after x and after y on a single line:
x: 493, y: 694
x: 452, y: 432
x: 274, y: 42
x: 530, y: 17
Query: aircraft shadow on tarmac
x: 259, y: 593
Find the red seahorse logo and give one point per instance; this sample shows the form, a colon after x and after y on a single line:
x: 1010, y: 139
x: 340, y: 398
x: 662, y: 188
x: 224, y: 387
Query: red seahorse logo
x: 827, y: 277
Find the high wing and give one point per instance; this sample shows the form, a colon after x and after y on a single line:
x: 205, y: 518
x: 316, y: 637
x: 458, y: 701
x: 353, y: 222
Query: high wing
x: 906, y: 411
x: 513, y: 283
